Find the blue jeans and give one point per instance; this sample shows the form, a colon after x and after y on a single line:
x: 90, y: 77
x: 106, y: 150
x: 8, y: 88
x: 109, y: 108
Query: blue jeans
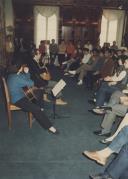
x: 118, y: 168
x: 104, y: 91
x: 120, y: 140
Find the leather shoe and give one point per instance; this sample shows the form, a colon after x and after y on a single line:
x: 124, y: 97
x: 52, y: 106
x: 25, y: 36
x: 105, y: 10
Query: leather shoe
x: 95, y: 156
x: 99, y: 111
x: 100, y: 133
x: 91, y: 101
x: 104, y: 141
x: 97, y: 132
x: 100, y: 176
x: 106, y: 108
x: 91, y: 110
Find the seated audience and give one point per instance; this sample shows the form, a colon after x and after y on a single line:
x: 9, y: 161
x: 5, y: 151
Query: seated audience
x: 89, y: 66
x: 111, y: 84
x: 72, y: 62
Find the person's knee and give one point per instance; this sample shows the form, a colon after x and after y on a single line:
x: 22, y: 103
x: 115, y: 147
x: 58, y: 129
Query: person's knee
x: 125, y: 148
x: 124, y: 131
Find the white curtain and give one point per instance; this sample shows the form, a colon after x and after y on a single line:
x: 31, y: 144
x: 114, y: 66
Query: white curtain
x: 114, y: 21
x: 45, y: 23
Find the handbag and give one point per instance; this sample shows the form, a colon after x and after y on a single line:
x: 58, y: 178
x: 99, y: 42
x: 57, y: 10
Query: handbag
x: 45, y: 75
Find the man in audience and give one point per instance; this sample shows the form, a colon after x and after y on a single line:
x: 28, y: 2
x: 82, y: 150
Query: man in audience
x: 35, y: 72
x: 114, y: 46
x: 101, y: 156
x: 89, y: 66
x: 111, y: 115
x: 110, y: 85
x: 53, y: 49
x: 118, y: 168
x: 73, y: 62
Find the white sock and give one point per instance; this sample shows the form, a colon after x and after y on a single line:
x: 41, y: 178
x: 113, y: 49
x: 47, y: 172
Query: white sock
x: 52, y: 129
x: 73, y: 72
x: 80, y: 82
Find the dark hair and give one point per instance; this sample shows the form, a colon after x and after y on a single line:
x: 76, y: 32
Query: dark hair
x: 95, y: 50
x: 86, y: 49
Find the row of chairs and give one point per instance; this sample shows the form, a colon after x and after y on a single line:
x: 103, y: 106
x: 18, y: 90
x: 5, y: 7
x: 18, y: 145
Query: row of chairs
x: 11, y: 107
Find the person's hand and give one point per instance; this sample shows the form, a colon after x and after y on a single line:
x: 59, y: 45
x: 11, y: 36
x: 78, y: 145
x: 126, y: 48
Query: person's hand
x: 96, y: 73
x: 125, y: 103
x: 34, y: 88
x: 107, y: 78
x: 125, y: 91
x: 20, y: 70
x: 112, y: 83
x: 124, y: 100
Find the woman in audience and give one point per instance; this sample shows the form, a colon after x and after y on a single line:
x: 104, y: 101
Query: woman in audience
x: 70, y: 50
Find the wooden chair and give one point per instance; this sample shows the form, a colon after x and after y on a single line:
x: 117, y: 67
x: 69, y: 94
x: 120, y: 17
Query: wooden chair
x: 10, y: 107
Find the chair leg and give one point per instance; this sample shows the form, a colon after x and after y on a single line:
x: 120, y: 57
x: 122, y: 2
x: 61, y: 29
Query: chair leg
x: 9, y: 119
x: 30, y: 119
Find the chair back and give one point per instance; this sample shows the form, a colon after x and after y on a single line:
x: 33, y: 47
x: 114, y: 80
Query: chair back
x: 6, y: 91
x: 10, y: 107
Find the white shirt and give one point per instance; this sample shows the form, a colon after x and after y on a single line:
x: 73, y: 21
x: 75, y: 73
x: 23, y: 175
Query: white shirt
x: 89, y: 46
x: 120, y: 77
x: 86, y: 58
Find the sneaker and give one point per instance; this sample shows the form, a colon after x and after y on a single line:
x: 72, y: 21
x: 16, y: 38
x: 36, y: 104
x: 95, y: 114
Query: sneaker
x: 99, y: 111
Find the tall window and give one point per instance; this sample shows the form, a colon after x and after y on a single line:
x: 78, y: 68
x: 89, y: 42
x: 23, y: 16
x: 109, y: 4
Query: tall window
x: 112, y: 31
x: 52, y: 27
x: 46, y: 23
x: 41, y: 28
x: 108, y: 31
x: 103, y: 35
x: 112, y: 26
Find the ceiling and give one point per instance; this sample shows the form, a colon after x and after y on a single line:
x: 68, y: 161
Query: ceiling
x: 116, y: 4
